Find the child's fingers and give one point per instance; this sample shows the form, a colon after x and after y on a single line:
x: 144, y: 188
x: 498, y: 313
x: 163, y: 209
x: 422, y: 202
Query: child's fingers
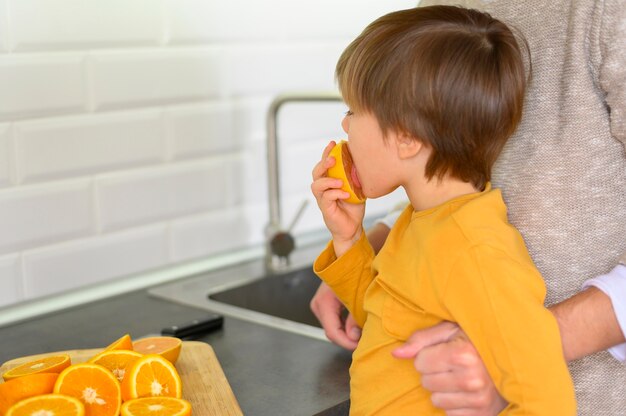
x: 322, y: 185
x: 330, y: 198
x: 328, y: 148
x: 319, y: 170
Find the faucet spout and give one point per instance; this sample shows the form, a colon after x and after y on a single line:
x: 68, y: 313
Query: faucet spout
x: 279, y: 258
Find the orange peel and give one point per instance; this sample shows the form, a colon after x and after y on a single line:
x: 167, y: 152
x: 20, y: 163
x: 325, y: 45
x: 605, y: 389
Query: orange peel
x: 125, y: 342
x: 23, y: 387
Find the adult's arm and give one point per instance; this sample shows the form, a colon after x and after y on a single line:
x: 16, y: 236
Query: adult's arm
x: 588, y: 323
x: 453, y: 371
x: 601, y: 311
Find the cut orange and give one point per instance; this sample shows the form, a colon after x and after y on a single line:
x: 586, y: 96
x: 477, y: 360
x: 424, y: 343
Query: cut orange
x: 116, y: 361
x: 48, y: 404
x: 344, y: 170
x: 24, y: 387
x: 51, y: 364
x: 151, y: 376
x: 122, y: 343
x: 168, y: 347
x: 156, y: 406
x: 93, y: 385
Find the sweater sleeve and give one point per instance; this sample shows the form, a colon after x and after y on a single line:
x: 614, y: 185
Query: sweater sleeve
x: 498, y: 302
x: 348, y: 276
x: 610, y: 67
x: 610, y: 63
x: 613, y: 284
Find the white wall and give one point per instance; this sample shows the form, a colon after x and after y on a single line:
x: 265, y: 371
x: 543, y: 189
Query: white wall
x: 132, y: 131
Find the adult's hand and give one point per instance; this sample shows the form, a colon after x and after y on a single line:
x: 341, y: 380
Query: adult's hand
x: 327, y: 308
x: 452, y: 371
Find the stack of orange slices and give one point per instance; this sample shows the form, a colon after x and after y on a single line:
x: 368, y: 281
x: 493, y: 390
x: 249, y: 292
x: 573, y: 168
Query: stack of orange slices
x: 126, y: 378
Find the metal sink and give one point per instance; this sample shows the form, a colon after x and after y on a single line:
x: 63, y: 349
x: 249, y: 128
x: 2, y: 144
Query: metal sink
x: 246, y: 291
x: 285, y: 296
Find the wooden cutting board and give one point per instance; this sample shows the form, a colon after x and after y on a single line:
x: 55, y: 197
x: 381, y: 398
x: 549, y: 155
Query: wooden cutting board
x: 204, y: 383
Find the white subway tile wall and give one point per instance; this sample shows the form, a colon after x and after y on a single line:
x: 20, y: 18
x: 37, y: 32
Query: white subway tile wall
x: 126, y: 199
x: 188, y: 127
x: 10, y: 280
x: 133, y: 78
x: 6, y: 155
x: 92, y: 260
x: 132, y: 133
x: 32, y: 216
x: 83, y: 24
x: 83, y: 145
x: 202, y: 235
x: 4, y: 28
x: 262, y: 69
x: 36, y: 85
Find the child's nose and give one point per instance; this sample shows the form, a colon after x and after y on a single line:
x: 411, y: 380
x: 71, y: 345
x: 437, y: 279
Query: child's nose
x: 345, y: 124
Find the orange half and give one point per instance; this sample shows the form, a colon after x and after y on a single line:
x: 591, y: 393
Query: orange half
x: 24, y: 387
x: 50, y: 364
x: 168, y: 347
x: 152, y: 376
x: 156, y: 406
x: 116, y: 361
x: 48, y: 404
x: 95, y: 386
x: 344, y: 170
x: 122, y: 343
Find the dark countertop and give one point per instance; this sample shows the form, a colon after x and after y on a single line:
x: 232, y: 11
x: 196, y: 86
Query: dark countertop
x: 271, y: 372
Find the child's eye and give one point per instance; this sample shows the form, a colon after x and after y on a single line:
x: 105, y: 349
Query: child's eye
x: 349, y: 113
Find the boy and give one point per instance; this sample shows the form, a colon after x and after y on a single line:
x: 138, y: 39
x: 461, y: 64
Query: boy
x: 434, y: 93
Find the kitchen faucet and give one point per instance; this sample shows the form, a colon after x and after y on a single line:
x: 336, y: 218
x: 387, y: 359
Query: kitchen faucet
x: 279, y: 241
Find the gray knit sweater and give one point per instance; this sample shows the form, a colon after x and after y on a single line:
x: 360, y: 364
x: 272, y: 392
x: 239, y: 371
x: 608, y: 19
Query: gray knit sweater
x: 563, y: 174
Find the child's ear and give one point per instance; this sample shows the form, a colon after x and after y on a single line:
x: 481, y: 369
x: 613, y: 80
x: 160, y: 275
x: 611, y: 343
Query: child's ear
x: 408, y: 146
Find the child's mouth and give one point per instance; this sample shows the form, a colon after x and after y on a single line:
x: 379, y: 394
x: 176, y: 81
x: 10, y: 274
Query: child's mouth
x: 351, y: 172
x: 355, y: 177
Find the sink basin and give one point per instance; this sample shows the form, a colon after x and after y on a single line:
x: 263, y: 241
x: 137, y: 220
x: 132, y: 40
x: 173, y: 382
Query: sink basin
x: 246, y: 291
x: 284, y: 296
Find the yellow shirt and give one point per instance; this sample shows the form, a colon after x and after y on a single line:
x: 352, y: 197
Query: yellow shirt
x: 462, y: 262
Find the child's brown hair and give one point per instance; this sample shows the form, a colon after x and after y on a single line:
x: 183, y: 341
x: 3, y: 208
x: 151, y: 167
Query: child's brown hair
x: 450, y: 77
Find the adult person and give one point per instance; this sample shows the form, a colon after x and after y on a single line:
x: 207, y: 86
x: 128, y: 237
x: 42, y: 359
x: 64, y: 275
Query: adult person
x: 563, y: 176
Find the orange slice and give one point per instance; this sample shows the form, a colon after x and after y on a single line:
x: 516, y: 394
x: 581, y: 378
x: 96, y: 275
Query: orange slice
x: 24, y: 387
x: 50, y: 364
x: 48, y: 404
x: 93, y: 385
x: 116, y: 361
x: 122, y: 343
x: 343, y: 169
x: 150, y: 376
x: 156, y: 406
x: 168, y: 347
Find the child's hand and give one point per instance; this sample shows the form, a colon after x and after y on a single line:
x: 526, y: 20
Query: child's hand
x: 342, y: 219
